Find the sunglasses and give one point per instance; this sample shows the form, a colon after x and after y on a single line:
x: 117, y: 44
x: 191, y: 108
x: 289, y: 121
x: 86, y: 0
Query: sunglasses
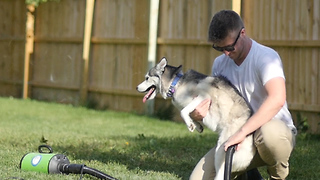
x: 228, y: 48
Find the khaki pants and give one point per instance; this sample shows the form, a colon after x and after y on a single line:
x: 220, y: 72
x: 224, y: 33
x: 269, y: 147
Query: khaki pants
x: 274, y: 142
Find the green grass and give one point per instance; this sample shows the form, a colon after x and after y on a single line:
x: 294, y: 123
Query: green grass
x: 123, y: 145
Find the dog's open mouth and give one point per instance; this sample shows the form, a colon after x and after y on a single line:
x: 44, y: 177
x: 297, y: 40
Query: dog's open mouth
x: 149, y: 93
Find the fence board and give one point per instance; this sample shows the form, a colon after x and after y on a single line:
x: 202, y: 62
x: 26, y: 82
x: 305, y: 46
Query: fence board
x: 58, y: 51
x: 12, y: 36
x: 119, y: 52
x: 183, y: 32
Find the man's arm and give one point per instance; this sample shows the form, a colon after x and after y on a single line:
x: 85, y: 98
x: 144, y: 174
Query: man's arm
x: 201, y: 110
x: 270, y: 107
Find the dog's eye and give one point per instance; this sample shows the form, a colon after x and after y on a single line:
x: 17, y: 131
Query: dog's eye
x: 147, y: 78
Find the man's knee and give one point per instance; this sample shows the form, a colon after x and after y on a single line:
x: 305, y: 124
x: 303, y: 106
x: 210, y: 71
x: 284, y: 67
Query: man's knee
x: 272, y: 134
x: 274, y: 142
x: 205, y: 167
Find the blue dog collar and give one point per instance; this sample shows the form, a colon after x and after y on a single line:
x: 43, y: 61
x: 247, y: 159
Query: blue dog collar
x: 173, y: 84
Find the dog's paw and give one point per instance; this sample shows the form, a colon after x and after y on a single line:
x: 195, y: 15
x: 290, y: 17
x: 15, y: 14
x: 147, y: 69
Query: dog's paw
x: 199, y: 128
x: 191, y: 127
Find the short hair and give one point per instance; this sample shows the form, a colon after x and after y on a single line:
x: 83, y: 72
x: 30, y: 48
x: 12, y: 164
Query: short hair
x: 222, y: 23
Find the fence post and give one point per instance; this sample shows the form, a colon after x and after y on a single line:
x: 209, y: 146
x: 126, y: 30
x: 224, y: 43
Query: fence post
x: 236, y: 6
x: 86, y: 50
x: 152, y: 44
x: 28, y: 48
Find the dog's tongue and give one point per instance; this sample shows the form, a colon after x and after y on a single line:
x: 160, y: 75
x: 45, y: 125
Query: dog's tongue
x: 146, y: 97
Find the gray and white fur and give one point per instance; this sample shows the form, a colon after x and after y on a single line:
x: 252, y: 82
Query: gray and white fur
x: 227, y: 114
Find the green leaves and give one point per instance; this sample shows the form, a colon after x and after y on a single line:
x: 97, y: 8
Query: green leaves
x: 36, y: 3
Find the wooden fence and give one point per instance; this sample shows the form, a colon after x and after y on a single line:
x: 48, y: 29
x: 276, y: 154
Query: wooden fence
x: 12, y: 43
x: 118, y: 54
x: 292, y: 28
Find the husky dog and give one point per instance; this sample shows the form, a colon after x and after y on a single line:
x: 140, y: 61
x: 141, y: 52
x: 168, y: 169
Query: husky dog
x: 227, y: 113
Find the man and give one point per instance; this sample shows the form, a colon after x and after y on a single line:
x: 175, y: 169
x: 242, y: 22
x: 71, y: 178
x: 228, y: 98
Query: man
x: 257, y: 72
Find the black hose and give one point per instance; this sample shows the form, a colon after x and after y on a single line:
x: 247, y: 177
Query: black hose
x: 83, y: 169
x: 228, y: 162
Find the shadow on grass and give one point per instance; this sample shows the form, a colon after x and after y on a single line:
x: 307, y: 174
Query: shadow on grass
x: 174, y: 155
x: 178, y: 155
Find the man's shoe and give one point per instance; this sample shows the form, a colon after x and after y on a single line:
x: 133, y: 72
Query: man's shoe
x: 254, y: 174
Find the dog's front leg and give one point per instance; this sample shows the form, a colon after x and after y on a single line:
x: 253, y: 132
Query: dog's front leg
x: 185, y: 114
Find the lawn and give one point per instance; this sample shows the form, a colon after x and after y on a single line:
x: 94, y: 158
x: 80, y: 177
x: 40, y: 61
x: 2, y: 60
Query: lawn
x: 123, y: 145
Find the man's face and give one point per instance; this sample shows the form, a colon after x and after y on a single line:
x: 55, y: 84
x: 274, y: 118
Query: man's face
x: 230, y: 45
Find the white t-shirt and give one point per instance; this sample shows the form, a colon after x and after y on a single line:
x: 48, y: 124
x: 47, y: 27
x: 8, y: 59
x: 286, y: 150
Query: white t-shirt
x: 261, y: 64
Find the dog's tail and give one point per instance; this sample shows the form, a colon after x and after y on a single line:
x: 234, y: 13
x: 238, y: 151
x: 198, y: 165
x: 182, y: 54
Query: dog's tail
x: 228, y: 162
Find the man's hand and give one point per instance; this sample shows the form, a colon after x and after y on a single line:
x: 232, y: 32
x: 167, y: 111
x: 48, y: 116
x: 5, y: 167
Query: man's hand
x: 237, y: 138
x: 201, y: 110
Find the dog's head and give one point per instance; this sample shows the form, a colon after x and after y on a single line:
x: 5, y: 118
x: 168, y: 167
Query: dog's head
x: 152, y: 83
x: 158, y: 80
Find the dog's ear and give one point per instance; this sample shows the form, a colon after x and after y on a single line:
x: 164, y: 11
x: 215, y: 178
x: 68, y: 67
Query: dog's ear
x: 162, y: 64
